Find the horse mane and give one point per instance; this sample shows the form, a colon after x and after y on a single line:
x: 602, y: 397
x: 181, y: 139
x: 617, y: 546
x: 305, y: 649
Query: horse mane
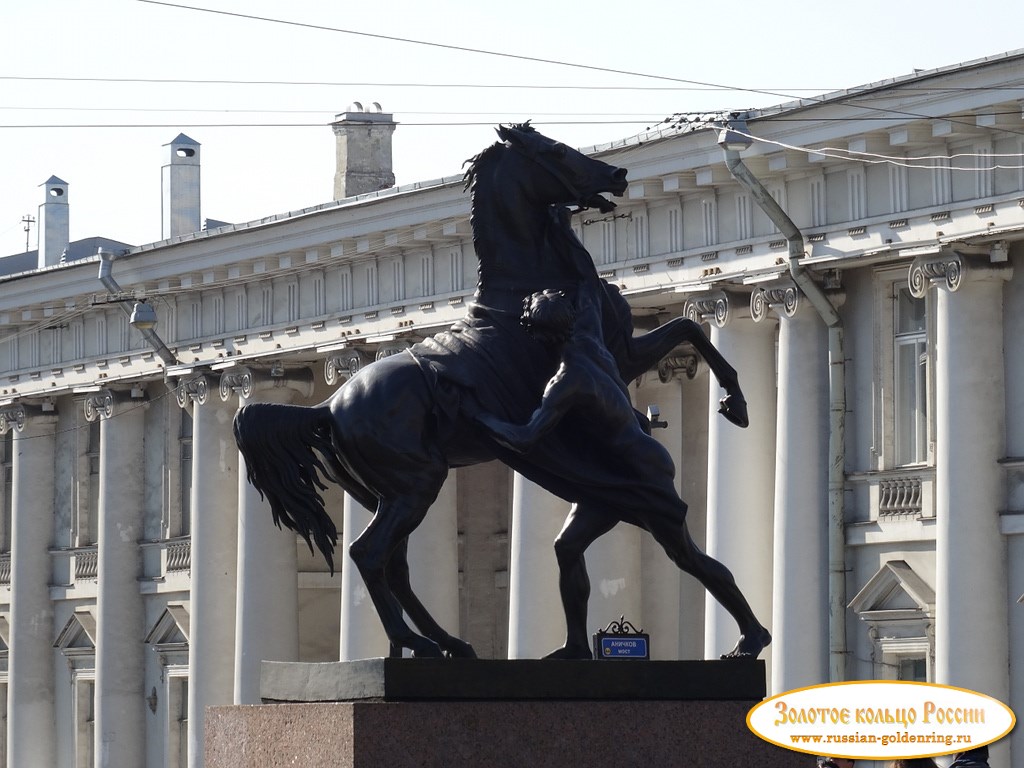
x: 487, y: 154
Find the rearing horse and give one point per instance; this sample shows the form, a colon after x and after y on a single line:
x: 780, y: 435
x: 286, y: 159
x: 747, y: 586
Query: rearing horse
x: 391, y: 433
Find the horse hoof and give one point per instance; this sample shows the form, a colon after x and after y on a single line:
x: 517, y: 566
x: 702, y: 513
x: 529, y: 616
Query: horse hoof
x: 425, y: 649
x: 459, y: 649
x: 734, y: 408
x: 570, y: 652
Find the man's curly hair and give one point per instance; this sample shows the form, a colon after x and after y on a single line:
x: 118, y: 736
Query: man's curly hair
x: 549, y: 316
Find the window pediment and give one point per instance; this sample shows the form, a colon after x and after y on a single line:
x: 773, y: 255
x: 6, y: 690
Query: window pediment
x: 78, y: 633
x: 895, y: 592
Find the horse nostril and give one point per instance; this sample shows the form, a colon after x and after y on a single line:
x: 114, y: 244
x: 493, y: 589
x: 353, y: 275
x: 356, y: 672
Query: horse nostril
x: 619, y: 174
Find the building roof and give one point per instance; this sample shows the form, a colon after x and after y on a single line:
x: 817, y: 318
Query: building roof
x: 77, y: 250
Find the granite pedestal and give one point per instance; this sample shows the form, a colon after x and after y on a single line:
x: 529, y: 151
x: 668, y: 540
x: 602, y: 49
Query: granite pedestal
x: 392, y: 713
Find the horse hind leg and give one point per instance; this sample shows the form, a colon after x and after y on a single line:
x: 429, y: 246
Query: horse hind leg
x: 398, y: 578
x: 371, y: 552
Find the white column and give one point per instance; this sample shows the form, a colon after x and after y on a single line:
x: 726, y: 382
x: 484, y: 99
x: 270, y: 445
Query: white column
x: 536, y: 622
x: 741, y: 469
x: 267, y: 607
x: 971, y: 622
x: 31, y: 731
x: 613, y: 564
x: 120, y: 725
x: 362, y: 634
x: 662, y: 579
x: 214, y: 558
x: 434, y: 558
x: 800, y: 616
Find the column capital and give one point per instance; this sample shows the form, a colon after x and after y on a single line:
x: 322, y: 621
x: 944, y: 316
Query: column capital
x: 196, y: 389
x: 675, y: 367
x: 17, y: 415
x: 245, y: 382
x: 780, y: 295
x: 718, y: 307
x: 100, y: 405
x: 389, y: 348
x: 343, y: 364
x: 950, y: 269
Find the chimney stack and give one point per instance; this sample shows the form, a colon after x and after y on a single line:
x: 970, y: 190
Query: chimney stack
x: 363, y: 151
x: 54, y: 222
x: 180, y: 188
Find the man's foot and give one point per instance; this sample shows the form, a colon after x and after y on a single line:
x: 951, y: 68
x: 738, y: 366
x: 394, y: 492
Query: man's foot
x: 571, y: 652
x: 750, y: 644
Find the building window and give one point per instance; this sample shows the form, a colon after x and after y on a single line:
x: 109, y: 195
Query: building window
x: 910, y: 385
x: 85, y: 722
x: 177, y: 713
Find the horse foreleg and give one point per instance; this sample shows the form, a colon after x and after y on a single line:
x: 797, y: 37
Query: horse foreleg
x: 397, y: 573
x: 371, y: 552
x: 582, y: 528
x: 646, y: 351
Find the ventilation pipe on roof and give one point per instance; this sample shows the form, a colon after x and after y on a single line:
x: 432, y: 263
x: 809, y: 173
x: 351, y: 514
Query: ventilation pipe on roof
x: 363, y: 150
x: 54, y: 222
x: 734, y: 139
x: 141, y: 319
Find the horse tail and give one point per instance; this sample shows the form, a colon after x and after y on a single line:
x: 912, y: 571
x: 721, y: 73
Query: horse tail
x: 285, y: 448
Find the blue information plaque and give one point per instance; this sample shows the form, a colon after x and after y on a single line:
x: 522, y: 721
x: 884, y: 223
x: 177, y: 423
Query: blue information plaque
x: 624, y: 647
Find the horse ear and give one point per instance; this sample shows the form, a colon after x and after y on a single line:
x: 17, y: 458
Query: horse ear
x: 509, y: 134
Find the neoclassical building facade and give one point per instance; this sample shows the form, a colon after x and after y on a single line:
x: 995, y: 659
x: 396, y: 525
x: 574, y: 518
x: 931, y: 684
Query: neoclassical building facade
x: 873, y: 511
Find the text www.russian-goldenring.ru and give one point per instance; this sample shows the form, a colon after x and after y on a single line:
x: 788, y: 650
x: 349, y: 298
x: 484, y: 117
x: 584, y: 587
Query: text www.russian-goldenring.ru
x: 885, y: 739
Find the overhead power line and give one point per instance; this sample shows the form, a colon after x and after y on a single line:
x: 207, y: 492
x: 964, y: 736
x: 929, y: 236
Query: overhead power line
x: 536, y: 59
x: 465, y: 49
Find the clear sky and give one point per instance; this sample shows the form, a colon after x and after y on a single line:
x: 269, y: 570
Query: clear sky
x: 69, y: 66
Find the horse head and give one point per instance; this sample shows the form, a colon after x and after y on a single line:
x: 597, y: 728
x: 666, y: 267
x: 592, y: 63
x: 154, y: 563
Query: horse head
x: 569, y: 177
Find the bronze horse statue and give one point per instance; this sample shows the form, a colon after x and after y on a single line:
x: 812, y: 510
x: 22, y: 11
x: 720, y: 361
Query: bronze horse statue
x: 392, y: 431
